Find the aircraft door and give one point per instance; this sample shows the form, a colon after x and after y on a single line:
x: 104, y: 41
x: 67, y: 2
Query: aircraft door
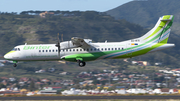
x: 62, y: 52
x: 35, y: 53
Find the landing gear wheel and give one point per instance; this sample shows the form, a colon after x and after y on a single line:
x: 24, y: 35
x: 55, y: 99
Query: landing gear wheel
x: 15, y: 65
x: 82, y: 64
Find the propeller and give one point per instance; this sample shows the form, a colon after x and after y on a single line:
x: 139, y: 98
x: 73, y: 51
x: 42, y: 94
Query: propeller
x: 58, y: 45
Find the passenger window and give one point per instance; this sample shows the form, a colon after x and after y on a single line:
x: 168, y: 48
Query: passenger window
x: 98, y: 49
x: 112, y: 49
x: 73, y: 49
x: 42, y: 50
x: 39, y: 50
x: 76, y: 49
x: 119, y: 48
x: 94, y: 49
x: 102, y: 49
x: 108, y: 48
x: 49, y: 50
x: 91, y: 49
x: 18, y: 49
x: 122, y: 48
x: 80, y: 49
x: 66, y: 50
x: 70, y: 50
x: 53, y: 50
x: 115, y: 48
x: 84, y: 49
x: 105, y: 48
x: 46, y: 50
x: 87, y: 49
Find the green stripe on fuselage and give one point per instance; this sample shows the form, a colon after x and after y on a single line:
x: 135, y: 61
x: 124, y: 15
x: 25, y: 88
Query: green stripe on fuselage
x: 89, y: 56
x: 143, y: 51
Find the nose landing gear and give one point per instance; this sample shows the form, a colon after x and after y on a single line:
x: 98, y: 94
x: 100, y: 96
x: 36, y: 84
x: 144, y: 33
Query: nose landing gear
x: 15, y: 65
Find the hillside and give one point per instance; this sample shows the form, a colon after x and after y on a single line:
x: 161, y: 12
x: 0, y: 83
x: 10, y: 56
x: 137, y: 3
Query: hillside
x: 145, y: 12
x: 28, y: 27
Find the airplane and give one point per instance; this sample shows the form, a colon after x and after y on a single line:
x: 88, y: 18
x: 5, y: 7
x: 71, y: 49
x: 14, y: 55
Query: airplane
x: 83, y: 50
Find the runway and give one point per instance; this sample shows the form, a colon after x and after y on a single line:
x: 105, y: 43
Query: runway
x: 87, y: 97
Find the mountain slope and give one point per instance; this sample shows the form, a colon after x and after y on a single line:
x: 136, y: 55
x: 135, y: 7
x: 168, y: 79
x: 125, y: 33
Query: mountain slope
x: 145, y: 13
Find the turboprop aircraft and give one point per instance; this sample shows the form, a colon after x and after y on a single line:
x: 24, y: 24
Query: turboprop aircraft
x: 83, y: 50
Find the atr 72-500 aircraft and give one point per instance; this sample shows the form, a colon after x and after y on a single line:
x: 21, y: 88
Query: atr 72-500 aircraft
x: 83, y: 50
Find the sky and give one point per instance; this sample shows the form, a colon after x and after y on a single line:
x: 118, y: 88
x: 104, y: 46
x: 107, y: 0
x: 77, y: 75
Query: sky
x: 62, y: 5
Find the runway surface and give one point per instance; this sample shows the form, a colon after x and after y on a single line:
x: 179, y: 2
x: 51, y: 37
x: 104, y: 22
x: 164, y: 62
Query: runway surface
x: 87, y: 97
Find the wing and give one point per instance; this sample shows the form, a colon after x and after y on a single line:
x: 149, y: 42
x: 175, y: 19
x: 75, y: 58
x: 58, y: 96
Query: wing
x: 79, y: 42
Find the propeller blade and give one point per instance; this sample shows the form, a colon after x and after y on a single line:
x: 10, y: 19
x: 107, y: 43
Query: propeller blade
x: 58, y: 45
x: 58, y: 38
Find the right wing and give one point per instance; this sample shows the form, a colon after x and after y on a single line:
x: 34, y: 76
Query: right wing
x: 79, y: 42
x: 76, y: 42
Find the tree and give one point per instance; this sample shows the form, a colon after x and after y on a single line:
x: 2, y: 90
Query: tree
x: 32, y: 86
x: 2, y: 86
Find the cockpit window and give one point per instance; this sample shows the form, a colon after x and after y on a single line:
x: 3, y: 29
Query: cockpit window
x: 16, y: 49
x: 13, y: 49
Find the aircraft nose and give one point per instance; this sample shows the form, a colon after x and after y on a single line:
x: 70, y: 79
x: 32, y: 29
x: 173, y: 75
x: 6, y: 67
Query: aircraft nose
x: 7, y: 56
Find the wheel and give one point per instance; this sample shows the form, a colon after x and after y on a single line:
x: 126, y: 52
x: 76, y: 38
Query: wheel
x: 84, y: 63
x: 81, y: 63
x: 15, y: 65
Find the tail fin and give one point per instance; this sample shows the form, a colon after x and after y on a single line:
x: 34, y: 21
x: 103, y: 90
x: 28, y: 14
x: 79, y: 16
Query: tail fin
x: 160, y: 32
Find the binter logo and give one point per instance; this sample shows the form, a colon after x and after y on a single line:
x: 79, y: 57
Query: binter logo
x: 35, y: 47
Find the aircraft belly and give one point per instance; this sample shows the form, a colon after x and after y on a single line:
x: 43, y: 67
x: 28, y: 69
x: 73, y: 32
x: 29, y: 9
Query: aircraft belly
x: 84, y: 56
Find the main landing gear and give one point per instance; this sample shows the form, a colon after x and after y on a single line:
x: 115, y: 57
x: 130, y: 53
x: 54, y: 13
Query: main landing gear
x: 81, y: 63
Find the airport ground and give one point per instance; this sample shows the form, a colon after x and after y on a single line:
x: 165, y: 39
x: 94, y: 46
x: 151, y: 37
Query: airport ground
x: 100, y: 100
x: 92, y: 98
